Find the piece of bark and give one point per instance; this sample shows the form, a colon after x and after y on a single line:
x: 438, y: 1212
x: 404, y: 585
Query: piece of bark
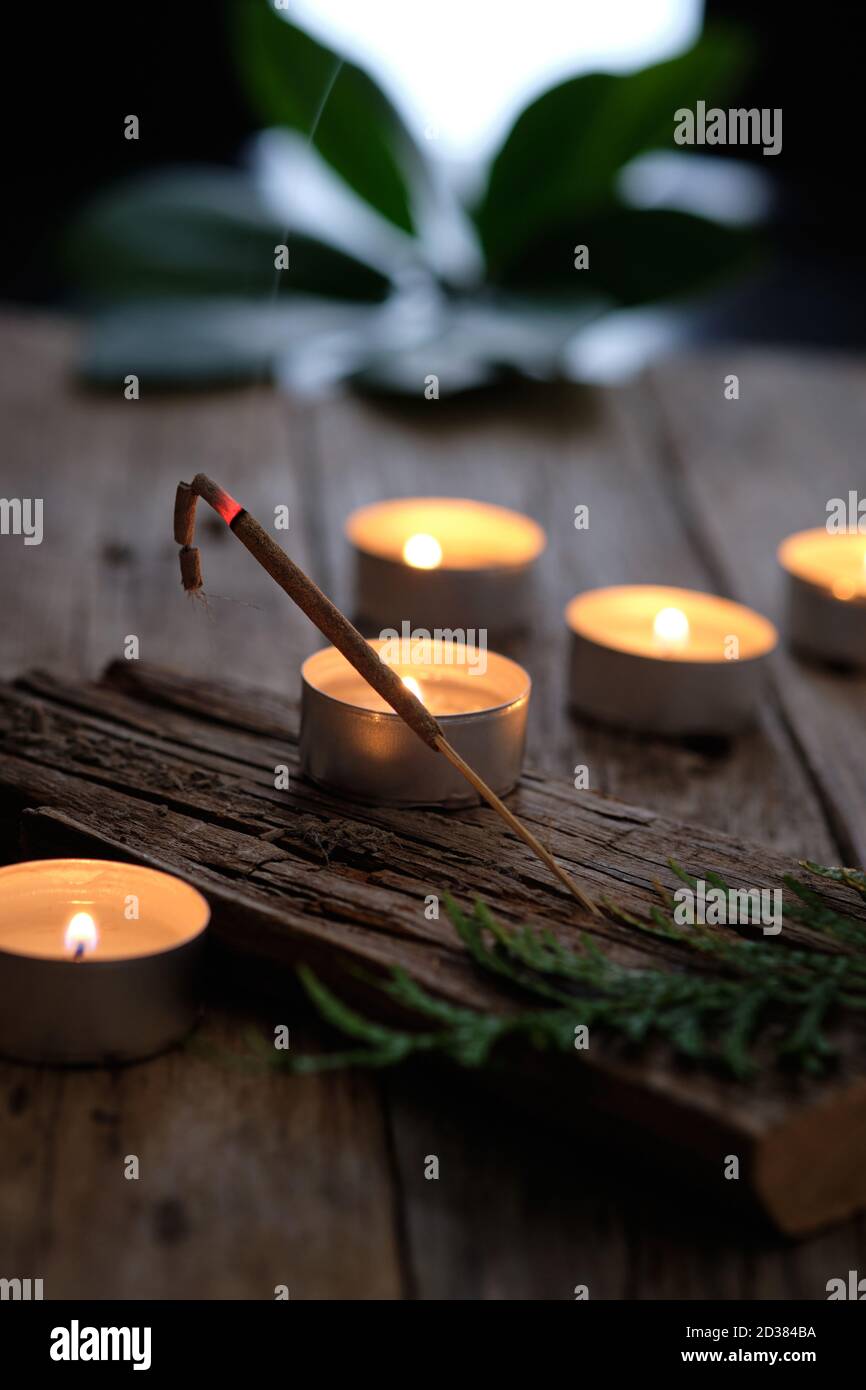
x: 145, y: 765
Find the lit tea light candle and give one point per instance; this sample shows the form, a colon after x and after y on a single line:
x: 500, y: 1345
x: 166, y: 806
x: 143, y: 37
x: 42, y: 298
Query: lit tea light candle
x: 443, y: 562
x: 826, y: 594
x: 667, y: 661
x: 97, y: 960
x: 353, y: 742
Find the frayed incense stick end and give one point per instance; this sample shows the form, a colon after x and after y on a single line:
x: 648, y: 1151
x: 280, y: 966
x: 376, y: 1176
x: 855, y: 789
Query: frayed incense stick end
x: 190, y: 569
x: 184, y: 514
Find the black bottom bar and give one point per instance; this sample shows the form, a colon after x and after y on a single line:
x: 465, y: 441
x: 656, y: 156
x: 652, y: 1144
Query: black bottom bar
x: 258, y: 1339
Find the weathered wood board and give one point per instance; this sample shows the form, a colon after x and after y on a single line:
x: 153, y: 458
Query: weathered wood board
x: 319, y: 1180
x: 180, y: 774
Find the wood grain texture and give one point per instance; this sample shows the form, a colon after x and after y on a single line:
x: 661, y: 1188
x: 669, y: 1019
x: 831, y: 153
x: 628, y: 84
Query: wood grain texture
x: 305, y: 877
x: 745, y: 474
x: 240, y: 1188
x: 546, y: 455
x: 518, y: 1211
x: 108, y: 568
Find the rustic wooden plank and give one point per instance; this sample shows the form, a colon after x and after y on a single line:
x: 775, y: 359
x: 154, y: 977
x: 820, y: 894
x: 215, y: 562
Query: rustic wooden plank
x: 620, y: 848
x: 73, y: 443
x: 242, y: 1186
x: 746, y: 473
x: 362, y: 900
x: 572, y: 1213
x: 546, y: 454
x: 107, y: 470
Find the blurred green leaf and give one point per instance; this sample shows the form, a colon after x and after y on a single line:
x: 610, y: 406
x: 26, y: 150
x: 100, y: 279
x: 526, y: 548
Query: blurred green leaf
x: 293, y: 80
x: 564, y: 152
x: 202, y: 231
x: 186, y: 257
x: 636, y: 255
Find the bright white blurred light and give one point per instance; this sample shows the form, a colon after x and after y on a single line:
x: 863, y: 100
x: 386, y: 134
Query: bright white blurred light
x: 462, y: 70
x: 423, y: 552
x: 620, y: 344
x: 671, y: 627
x: 725, y: 190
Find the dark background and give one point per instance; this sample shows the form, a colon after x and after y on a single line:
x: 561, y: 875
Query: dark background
x: 74, y: 71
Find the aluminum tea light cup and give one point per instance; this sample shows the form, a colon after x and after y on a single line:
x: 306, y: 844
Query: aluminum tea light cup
x: 825, y: 580
x: 668, y: 661
x: 443, y: 562
x: 98, y: 960
x: 352, y: 741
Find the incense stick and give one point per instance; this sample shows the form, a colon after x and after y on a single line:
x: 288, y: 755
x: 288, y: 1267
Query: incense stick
x: 343, y: 635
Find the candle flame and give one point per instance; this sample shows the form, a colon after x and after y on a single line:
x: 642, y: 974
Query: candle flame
x: 846, y: 589
x: 671, y: 627
x: 81, y: 934
x: 422, y: 552
x: 411, y: 684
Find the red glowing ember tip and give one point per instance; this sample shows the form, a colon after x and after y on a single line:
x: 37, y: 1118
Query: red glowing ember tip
x: 227, y: 507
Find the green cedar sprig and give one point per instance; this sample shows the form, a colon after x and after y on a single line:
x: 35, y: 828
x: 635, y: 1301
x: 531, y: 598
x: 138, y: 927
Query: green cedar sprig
x: 725, y: 1001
